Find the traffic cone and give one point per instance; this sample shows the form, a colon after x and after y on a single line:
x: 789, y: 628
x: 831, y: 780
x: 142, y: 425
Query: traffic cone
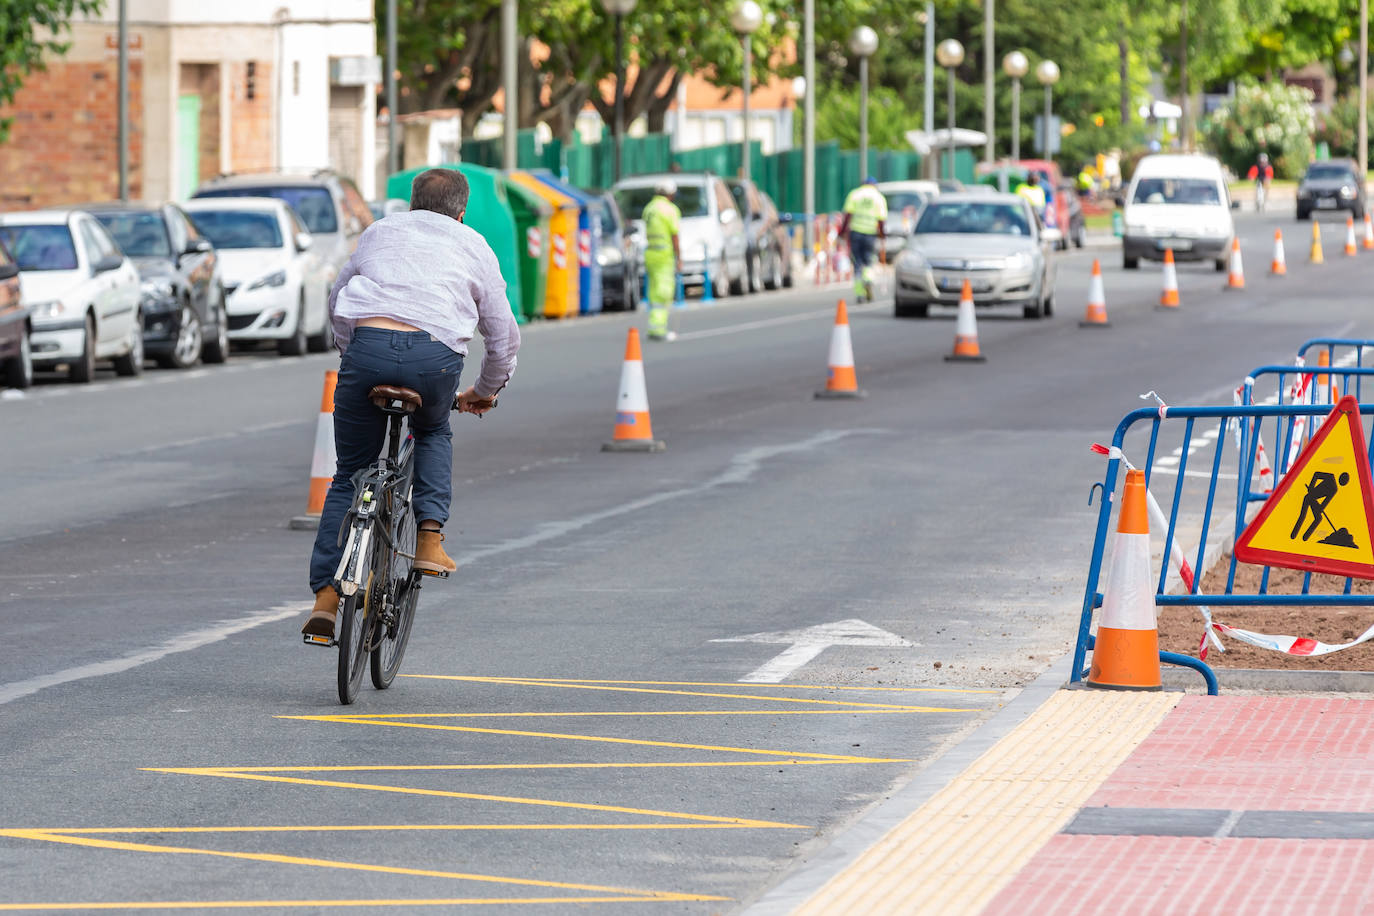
x: 1278, y: 267
x: 966, y: 331
x: 323, y: 462
x: 841, y: 381
x: 1350, y: 249
x: 1236, y: 278
x: 1315, y: 256
x: 1096, y: 314
x: 1327, y: 391
x: 633, y: 430
x: 1368, y: 232
x: 1169, y: 297
x: 1126, y: 656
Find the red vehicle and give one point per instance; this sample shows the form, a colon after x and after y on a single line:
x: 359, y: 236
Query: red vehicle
x: 1051, y: 179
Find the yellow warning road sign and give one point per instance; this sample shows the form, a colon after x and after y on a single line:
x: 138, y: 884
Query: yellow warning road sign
x: 1320, y: 518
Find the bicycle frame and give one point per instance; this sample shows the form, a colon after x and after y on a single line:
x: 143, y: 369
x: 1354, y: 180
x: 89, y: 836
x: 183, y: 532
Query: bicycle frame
x: 374, y: 491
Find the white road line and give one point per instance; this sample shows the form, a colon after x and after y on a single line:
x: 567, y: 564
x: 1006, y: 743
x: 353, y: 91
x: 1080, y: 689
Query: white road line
x: 773, y: 322
x: 183, y: 643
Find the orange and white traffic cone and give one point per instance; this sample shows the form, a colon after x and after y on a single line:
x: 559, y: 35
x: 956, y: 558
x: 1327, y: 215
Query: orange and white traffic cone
x: 1315, y: 255
x: 1096, y: 314
x: 966, y: 331
x: 1168, y: 298
x: 1368, y: 232
x: 633, y: 430
x: 323, y: 463
x: 1350, y: 249
x: 1236, y: 278
x: 1327, y: 391
x: 1278, y: 266
x: 1126, y: 656
x: 841, y: 382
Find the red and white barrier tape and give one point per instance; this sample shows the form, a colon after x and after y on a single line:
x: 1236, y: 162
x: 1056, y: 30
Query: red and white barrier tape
x: 1157, y: 520
x: 1266, y: 470
x: 1288, y: 645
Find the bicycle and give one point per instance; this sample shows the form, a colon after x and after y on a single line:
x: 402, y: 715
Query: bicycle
x: 376, y: 578
x: 1261, y: 191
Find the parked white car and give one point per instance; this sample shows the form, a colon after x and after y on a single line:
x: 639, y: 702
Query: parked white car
x: 276, y: 285
x: 1178, y: 203
x: 81, y: 291
x: 712, y: 235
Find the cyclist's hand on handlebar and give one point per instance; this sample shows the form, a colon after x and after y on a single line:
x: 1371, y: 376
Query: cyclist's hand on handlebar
x: 469, y: 402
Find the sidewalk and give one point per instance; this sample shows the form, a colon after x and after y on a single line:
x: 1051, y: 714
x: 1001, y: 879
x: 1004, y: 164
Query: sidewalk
x: 1106, y: 802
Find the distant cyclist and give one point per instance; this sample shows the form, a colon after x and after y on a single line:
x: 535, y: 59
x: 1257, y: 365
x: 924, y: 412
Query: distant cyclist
x: 865, y: 212
x: 403, y: 310
x: 1261, y: 173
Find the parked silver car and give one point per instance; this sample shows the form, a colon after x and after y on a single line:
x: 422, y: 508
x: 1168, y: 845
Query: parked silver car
x: 712, y: 236
x: 992, y: 240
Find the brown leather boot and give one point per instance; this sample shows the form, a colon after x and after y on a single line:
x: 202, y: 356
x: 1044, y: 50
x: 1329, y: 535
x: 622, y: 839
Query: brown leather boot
x: 321, y: 619
x: 429, y: 553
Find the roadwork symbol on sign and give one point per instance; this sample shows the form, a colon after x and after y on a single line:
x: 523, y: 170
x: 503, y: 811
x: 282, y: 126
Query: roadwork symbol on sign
x: 1321, y: 516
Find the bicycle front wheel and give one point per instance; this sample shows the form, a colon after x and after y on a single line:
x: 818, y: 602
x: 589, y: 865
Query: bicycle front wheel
x: 404, y: 586
x: 354, y: 622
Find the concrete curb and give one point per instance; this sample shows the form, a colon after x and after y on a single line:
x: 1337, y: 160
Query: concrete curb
x: 814, y: 871
x: 1277, y: 679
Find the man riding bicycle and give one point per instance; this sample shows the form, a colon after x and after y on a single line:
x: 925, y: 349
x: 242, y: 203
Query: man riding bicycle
x: 403, y: 310
x: 1261, y: 173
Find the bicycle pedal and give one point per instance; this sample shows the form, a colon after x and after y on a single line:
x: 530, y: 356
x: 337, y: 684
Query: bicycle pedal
x: 437, y: 574
x: 311, y: 639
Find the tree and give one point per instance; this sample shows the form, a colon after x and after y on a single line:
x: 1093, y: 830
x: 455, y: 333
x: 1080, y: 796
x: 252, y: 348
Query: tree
x: 1274, y: 118
x: 22, y: 49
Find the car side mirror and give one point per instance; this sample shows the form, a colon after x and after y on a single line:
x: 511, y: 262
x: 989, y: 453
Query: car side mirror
x: 9, y: 270
x: 108, y: 263
x: 198, y: 246
x: 303, y: 241
x: 1235, y: 205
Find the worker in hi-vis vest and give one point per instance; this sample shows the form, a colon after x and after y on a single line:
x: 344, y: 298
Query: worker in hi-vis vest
x: 865, y: 211
x: 663, y: 257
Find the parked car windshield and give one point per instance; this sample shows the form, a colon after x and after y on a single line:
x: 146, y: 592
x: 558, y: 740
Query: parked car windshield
x: 1328, y: 171
x: 238, y: 228
x: 690, y: 199
x: 312, y: 203
x: 40, y: 247
x: 897, y: 201
x: 140, y: 235
x: 1176, y: 191
x: 971, y: 217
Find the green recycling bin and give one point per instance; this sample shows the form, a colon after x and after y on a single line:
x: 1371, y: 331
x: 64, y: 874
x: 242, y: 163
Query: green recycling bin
x: 532, y: 214
x: 489, y: 213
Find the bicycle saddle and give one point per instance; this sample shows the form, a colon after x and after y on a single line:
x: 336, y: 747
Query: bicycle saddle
x: 395, y: 399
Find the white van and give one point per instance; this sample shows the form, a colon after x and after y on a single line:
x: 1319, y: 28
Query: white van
x: 1178, y: 203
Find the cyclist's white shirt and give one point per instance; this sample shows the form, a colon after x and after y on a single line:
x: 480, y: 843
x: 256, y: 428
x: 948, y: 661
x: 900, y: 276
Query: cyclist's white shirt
x: 436, y: 274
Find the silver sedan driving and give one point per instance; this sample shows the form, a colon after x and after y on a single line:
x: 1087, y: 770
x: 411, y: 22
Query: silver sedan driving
x: 992, y: 240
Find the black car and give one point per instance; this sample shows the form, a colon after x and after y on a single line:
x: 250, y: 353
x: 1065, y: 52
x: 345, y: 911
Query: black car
x: 16, y: 359
x: 1331, y: 185
x: 182, y: 297
x: 619, y: 257
x: 769, y: 255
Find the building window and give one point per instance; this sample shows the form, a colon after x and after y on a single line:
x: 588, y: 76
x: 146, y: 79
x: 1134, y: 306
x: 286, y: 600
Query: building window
x: 295, y: 77
x: 250, y: 83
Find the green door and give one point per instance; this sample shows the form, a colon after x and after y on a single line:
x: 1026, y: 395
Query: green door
x: 188, y: 145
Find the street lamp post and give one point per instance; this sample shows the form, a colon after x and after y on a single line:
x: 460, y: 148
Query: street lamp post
x: 1016, y: 66
x: 950, y: 54
x: 619, y: 9
x: 863, y: 41
x: 745, y: 20
x: 1047, y: 72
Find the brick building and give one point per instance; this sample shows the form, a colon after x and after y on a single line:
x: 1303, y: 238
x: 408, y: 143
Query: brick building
x: 256, y: 84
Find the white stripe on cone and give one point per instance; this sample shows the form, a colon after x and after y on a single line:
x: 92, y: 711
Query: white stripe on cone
x: 633, y: 397
x: 1128, y: 601
x: 1096, y: 294
x: 967, y: 325
x: 841, y: 347
x: 325, y: 459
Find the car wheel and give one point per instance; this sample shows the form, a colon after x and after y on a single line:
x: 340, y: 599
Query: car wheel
x: 787, y: 268
x: 321, y: 342
x: 189, y: 344
x: 216, y: 350
x: 131, y: 363
x: 19, y: 371
x: 756, y: 273
x: 296, y: 343
x: 1130, y: 263
x: 1221, y: 265
x: 82, y: 369
x: 737, y: 285
x: 720, y: 280
x: 1304, y: 214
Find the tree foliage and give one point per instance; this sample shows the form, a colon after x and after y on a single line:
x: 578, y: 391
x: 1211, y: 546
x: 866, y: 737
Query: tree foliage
x: 31, y: 30
x: 1274, y: 118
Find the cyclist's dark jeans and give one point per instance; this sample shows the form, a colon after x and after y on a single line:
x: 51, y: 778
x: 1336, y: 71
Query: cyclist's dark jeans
x: 411, y: 359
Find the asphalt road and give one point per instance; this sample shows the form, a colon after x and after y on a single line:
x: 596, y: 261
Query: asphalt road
x: 574, y: 731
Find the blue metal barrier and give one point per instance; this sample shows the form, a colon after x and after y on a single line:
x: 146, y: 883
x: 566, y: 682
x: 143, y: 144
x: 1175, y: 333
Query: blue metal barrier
x: 1134, y: 427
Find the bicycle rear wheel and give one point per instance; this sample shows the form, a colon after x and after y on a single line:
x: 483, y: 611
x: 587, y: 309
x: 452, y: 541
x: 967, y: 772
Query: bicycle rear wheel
x: 404, y: 585
x: 354, y: 623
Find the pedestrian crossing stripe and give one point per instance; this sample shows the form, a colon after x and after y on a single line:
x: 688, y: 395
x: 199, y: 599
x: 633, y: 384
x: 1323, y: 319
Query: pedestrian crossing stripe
x: 1320, y: 518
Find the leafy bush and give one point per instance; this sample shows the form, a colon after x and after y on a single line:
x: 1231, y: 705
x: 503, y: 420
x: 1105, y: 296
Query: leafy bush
x: 1273, y: 118
x: 1340, y: 126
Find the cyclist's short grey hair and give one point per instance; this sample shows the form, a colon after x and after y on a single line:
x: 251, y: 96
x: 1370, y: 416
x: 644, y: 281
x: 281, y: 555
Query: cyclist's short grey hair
x: 441, y: 190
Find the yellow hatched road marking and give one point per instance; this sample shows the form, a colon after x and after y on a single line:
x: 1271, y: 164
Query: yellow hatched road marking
x: 348, y: 866
x: 360, y: 828
x: 402, y: 767
x: 735, y: 684
x: 253, y: 904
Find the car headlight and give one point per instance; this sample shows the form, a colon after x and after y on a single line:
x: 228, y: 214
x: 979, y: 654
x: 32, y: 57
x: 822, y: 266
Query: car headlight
x: 155, y: 290
x: 912, y: 260
x: 1019, y: 261
x: 609, y: 256
x: 1347, y: 191
x: 273, y: 279
x: 47, y: 309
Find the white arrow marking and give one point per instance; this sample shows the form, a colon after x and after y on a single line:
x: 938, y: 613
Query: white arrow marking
x: 805, y: 644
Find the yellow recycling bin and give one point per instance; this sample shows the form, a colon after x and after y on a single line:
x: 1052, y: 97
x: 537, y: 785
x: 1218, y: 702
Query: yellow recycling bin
x: 560, y: 295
